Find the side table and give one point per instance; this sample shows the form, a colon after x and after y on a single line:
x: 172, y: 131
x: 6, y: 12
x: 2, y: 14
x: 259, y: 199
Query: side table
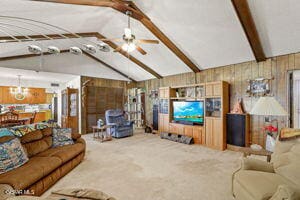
x: 100, y: 132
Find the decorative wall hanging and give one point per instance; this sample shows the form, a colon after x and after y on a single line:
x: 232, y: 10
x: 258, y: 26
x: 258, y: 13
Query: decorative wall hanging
x: 259, y: 87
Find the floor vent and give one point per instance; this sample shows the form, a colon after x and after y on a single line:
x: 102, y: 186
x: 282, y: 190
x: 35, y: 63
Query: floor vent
x: 177, y: 138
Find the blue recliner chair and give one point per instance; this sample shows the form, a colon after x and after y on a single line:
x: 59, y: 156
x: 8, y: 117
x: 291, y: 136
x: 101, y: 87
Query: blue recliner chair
x: 120, y: 126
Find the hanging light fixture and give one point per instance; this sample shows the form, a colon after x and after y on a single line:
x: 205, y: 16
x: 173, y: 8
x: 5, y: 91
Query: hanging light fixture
x: 19, y: 92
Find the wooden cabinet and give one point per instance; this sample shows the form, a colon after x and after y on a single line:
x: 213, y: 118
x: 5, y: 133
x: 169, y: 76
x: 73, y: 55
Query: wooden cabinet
x: 69, y: 117
x: 40, y: 116
x: 196, y: 132
x: 215, y: 135
x: 213, y: 89
x: 163, y: 122
x: 34, y: 96
x: 176, y: 128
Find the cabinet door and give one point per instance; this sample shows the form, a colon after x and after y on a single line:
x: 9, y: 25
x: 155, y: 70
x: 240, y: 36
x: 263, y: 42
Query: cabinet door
x: 188, y: 131
x: 217, y: 134
x: 166, y: 123
x: 209, y: 131
x: 197, y: 134
x: 217, y: 89
x: 175, y: 128
x: 209, y: 90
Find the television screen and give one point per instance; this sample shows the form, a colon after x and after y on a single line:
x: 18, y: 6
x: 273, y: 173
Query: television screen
x: 192, y: 111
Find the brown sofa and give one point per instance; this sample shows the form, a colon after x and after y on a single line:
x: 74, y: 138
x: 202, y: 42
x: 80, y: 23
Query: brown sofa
x: 278, y: 180
x: 46, y: 165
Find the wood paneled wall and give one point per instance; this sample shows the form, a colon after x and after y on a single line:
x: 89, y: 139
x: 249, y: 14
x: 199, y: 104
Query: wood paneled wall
x: 237, y: 75
x: 100, y: 82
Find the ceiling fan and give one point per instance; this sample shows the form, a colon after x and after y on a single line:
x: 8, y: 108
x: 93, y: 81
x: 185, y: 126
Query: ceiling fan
x: 130, y: 42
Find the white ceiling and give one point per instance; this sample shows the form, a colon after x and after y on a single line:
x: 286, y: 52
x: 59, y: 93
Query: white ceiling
x: 207, y: 31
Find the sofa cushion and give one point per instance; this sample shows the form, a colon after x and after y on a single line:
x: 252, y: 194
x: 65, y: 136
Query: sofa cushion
x: 12, y: 155
x: 47, y: 131
x: 62, y: 136
x: 32, y: 136
x: 286, y: 160
x: 20, y: 131
x: 260, y: 185
x: 35, y: 169
x: 38, y: 146
x: 41, y: 125
x: 64, y: 153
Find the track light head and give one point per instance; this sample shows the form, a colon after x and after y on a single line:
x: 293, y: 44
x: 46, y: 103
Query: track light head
x: 53, y: 50
x: 103, y: 47
x: 90, y: 48
x: 75, y: 50
x: 34, y: 49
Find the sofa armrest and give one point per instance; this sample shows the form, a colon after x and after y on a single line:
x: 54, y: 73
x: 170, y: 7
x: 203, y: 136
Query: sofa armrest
x: 285, y: 192
x: 6, y: 191
x: 257, y: 165
x: 80, y: 140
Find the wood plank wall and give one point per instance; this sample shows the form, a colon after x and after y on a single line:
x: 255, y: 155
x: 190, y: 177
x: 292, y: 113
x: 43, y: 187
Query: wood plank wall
x: 100, y: 82
x: 237, y: 75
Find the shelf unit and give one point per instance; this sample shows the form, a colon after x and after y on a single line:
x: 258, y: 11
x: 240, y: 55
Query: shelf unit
x: 216, y: 104
x: 135, y: 106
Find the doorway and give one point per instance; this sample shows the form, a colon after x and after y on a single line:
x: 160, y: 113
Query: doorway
x: 296, y: 99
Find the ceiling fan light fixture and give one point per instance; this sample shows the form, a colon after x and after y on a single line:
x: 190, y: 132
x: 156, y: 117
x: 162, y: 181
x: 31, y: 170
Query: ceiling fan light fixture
x: 128, y: 47
x: 34, y: 49
x: 75, y: 50
x: 53, y: 50
x: 90, y: 48
x: 127, y: 32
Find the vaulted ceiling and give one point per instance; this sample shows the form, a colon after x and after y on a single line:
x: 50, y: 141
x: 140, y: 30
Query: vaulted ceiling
x: 208, y: 32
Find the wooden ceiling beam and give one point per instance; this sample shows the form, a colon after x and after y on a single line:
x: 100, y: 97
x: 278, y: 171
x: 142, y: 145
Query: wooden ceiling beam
x: 67, y: 51
x: 244, y: 14
x: 107, y: 65
x: 88, y: 34
x: 123, y: 6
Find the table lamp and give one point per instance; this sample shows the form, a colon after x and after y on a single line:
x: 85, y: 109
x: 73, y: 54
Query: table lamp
x: 268, y: 106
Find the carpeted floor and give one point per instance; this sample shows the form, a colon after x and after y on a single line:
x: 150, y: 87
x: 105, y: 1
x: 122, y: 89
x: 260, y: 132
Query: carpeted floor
x: 145, y: 167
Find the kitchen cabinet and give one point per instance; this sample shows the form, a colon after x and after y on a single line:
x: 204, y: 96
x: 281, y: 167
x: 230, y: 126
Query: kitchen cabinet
x: 34, y: 96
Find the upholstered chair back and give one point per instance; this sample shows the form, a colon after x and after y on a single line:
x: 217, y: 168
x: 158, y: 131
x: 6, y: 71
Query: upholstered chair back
x: 286, y: 160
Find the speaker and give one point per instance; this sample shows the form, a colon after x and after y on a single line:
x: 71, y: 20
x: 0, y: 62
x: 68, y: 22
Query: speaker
x: 237, y: 126
x: 155, y: 117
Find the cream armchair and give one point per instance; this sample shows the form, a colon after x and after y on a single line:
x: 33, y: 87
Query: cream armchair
x: 278, y: 180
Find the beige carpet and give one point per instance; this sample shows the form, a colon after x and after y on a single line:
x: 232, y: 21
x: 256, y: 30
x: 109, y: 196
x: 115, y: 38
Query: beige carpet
x: 145, y: 167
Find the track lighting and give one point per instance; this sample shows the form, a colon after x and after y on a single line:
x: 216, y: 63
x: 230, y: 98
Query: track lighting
x: 103, y: 47
x: 75, y: 50
x: 34, y: 49
x: 90, y: 48
x: 53, y: 50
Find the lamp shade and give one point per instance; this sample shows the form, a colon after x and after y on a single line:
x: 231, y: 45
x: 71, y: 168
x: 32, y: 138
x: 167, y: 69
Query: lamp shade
x: 268, y: 106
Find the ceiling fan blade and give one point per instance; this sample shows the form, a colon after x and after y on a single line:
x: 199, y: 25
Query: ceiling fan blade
x: 118, y: 49
x: 112, y: 39
x: 139, y: 49
x: 148, y: 41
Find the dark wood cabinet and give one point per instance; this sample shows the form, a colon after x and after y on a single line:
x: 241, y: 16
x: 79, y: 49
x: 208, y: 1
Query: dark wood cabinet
x: 70, y: 109
x: 238, y: 129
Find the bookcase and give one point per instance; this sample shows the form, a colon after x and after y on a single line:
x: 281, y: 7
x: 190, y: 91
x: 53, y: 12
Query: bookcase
x: 215, y: 96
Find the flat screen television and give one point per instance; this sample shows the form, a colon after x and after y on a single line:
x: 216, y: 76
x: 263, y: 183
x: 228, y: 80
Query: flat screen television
x: 191, y: 112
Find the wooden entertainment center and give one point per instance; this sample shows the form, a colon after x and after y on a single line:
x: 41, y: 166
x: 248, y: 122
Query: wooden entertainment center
x: 215, y: 96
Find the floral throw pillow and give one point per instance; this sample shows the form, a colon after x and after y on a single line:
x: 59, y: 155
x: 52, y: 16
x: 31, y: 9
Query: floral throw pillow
x: 20, y: 131
x: 62, y: 137
x: 41, y: 126
x: 12, y: 155
x: 5, y: 132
